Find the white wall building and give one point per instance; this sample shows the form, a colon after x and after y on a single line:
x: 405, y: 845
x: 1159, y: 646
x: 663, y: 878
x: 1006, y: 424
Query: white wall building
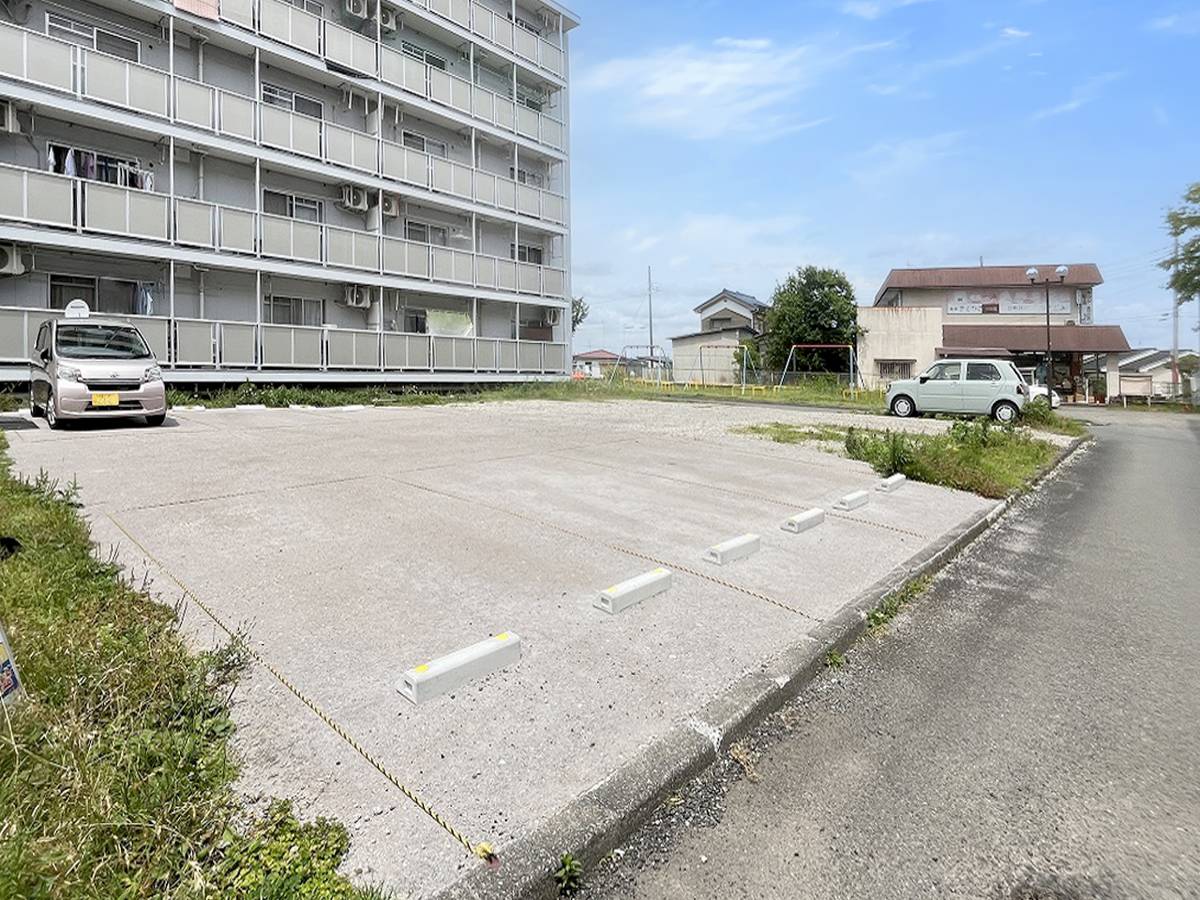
x: 708, y: 356
x: 920, y: 315
x: 313, y: 190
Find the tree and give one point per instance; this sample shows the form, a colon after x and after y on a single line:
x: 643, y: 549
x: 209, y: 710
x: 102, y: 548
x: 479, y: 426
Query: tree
x: 579, y: 312
x: 811, y: 306
x: 747, y: 352
x: 1183, y: 223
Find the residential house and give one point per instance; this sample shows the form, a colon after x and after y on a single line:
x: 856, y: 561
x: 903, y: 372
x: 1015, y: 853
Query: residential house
x: 726, y: 320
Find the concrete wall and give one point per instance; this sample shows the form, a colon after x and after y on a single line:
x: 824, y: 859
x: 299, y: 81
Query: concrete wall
x: 961, y: 305
x: 898, y: 333
x: 713, y: 366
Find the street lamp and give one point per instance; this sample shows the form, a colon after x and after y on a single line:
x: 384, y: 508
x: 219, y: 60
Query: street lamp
x: 1032, y: 274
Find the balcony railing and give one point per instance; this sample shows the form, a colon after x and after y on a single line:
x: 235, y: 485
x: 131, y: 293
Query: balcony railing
x: 46, y: 198
x: 48, y: 62
x: 189, y: 343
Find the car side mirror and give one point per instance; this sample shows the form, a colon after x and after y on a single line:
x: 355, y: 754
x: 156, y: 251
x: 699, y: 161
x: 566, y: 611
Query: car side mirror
x: 923, y: 379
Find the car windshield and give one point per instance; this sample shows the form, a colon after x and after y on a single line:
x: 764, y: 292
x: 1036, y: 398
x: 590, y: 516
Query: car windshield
x: 100, y: 342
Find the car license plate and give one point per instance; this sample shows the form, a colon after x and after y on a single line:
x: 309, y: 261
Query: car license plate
x: 106, y: 399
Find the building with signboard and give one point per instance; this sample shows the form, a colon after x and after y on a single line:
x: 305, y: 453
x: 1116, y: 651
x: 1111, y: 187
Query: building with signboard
x: 920, y: 315
x: 292, y: 190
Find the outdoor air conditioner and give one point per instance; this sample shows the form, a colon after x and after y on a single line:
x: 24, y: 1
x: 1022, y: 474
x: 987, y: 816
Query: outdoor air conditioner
x: 387, y: 18
x: 353, y: 198
x: 8, y: 118
x: 10, y: 260
x: 391, y: 206
x: 358, y: 296
x: 553, y: 316
x: 356, y: 8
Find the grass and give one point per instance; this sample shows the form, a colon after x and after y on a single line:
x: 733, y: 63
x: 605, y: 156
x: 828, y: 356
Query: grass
x: 894, y: 603
x: 11, y: 402
x: 1040, y: 417
x: 974, y: 456
x: 117, y: 768
x: 811, y: 393
x: 791, y: 434
x: 569, y: 875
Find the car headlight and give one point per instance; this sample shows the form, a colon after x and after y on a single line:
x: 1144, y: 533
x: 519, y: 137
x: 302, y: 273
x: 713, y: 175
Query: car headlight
x: 154, y: 373
x: 69, y: 373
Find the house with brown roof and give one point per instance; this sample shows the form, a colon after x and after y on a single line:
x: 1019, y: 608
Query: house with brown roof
x: 921, y: 315
x: 595, y: 363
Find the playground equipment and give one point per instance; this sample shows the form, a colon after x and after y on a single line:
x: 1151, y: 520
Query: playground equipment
x: 655, y: 359
x: 849, y: 348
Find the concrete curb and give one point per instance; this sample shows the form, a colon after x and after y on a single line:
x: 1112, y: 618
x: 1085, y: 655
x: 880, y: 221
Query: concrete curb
x: 600, y: 819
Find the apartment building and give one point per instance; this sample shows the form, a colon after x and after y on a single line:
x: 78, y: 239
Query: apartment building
x: 292, y: 190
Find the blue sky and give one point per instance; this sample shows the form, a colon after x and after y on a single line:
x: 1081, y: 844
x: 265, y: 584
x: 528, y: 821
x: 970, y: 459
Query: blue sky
x: 726, y: 143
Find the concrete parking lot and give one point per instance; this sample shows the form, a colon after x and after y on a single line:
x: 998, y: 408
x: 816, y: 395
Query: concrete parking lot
x: 352, y: 545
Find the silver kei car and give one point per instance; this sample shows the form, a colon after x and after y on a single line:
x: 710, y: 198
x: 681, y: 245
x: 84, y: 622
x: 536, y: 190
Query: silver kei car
x: 85, y: 367
x: 981, y: 387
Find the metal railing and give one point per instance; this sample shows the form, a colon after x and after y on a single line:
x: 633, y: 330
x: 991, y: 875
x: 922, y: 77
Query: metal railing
x: 190, y: 343
x: 48, y: 199
x: 49, y: 62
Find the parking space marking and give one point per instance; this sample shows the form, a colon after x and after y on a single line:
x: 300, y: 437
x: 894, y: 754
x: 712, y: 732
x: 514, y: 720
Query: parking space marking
x: 618, y: 548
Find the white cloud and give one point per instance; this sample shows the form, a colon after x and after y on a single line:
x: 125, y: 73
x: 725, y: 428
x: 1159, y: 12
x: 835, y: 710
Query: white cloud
x: 736, y: 87
x: 894, y: 160
x: 875, y: 9
x: 1187, y: 23
x: 914, y: 73
x: 1081, y: 95
x: 1015, y: 33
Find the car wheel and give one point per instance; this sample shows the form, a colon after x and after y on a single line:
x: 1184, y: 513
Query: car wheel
x: 903, y: 407
x: 156, y: 420
x: 52, y: 414
x: 35, y: 411
x: 1005, y: 413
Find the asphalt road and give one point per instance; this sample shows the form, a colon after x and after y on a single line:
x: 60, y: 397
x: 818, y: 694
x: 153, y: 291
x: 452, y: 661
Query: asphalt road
x: 1030, y: 728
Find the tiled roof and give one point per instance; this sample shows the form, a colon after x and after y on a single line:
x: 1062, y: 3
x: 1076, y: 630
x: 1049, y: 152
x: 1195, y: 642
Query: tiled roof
x: 600, y: 355
x: 1079, y: 275
x: 738, y: 296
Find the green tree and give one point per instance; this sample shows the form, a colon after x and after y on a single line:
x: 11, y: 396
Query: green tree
x: 1183, y: 223
x: 811, y: 306
x: 579, y: 312
x: 747, y: 350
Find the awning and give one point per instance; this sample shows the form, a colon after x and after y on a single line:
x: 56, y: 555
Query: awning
x: 974, y: 352
x: 1026, y: 338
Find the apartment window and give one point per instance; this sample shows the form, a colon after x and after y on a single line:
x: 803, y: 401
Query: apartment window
x: 292, y: 206
x: 103, y: 295
x: 531, y: 27
x: 425, y: 232
x: 894, y: 369
x: 309, y: 6
x: 524, y: 176
x: 415, y: 322
x: 526, y: 253
x: 418, y: 141
x: 68, y: 29
x: 292, y: 311
x: 273, y: 95
x: 526, y: 97
x: 416, y: 52
x: 93, y: 165
x: 982, y: 372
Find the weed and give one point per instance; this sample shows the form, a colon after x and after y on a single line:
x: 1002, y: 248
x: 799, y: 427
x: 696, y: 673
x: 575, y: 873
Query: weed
x: 1039, y: 416
x: 834, y: 659
x: 741, y: 754
x: 118, y: 773
x: 791, y: 434
x: 891, y: 605
x: 569, y: 875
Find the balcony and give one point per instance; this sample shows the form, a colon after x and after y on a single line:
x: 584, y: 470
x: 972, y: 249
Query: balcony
x: 48, y: 199
x: 47, y: 62
x: 190, y: 344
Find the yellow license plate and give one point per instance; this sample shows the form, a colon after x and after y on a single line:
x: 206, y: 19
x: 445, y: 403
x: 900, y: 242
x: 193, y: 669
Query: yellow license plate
x: 106, y: 399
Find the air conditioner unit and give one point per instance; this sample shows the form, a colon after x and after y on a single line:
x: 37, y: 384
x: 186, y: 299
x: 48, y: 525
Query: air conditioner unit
x: 8, y: 118
x: 10, y: 260
x: 553, y: 316
x: 358, y: 296
x: 353, y: 198
x: 387, y: 18
x: 356, y: 8
x: 391, y: 206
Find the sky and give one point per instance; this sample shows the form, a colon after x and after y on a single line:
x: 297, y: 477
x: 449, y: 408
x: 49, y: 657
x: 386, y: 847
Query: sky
x: 725, y: 143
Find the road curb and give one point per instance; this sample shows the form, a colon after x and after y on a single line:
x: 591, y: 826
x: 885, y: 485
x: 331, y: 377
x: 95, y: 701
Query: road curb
x: 600, y: 819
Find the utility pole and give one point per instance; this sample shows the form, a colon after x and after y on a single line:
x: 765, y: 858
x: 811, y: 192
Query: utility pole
x: 650, y: 306
x: 1175, y: 302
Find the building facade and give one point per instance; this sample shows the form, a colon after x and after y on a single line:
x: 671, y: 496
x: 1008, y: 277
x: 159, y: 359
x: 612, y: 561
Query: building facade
x: 708, y: 356
x: 292, y: 190
x: 921, y: 315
